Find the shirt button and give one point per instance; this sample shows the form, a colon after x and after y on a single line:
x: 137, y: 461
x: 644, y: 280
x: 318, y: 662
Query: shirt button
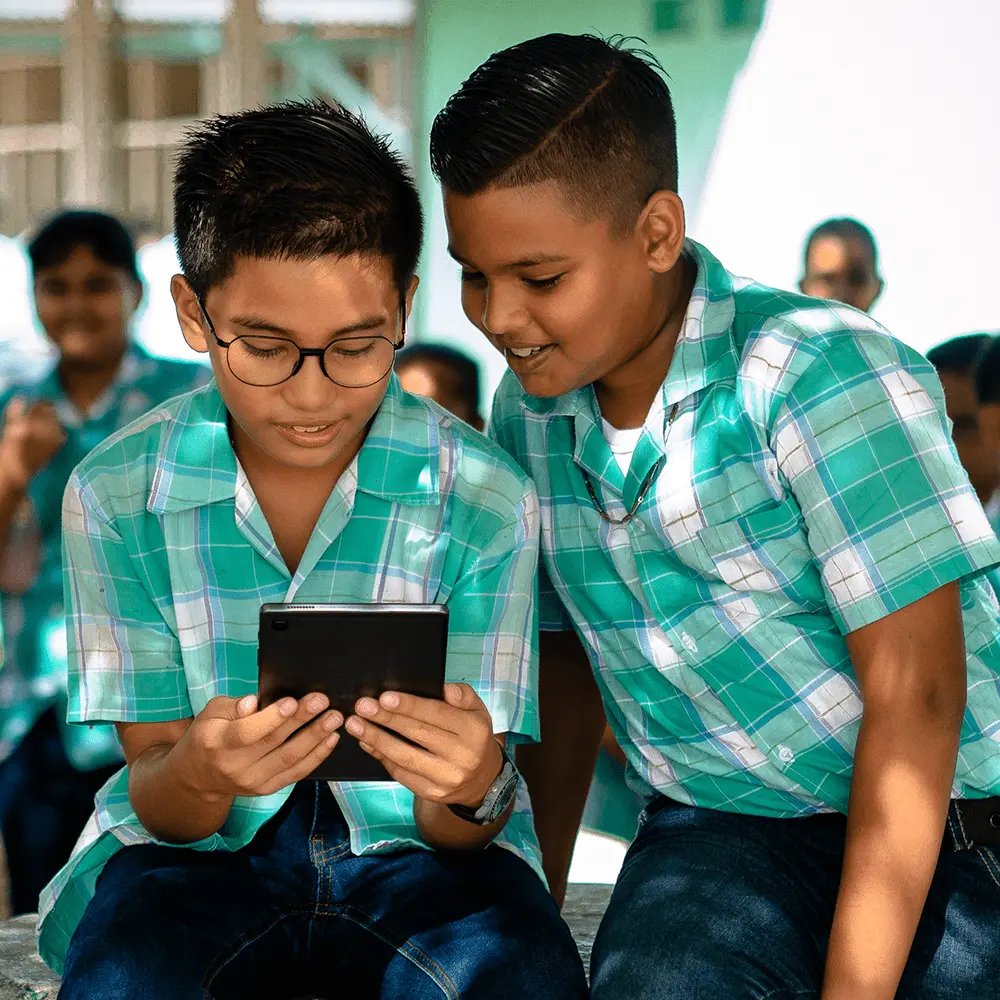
x: 689, y: 644
x: 785, y: 754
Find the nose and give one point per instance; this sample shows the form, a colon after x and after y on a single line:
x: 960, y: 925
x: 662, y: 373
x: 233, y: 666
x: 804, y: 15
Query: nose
x: 503, y: 311
x: 309, y: 390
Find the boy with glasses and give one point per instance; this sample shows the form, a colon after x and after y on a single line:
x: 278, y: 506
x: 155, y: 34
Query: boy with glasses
x: 303, y: 473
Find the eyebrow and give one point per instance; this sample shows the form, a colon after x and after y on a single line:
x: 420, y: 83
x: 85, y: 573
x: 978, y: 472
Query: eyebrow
x: 265, y: 326
x: 533, y: 261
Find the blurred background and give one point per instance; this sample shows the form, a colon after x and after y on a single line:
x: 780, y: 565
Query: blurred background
x: 789, y: 112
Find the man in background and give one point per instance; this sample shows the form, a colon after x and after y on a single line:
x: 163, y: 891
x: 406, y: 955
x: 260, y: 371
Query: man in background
x: 956, y: 361
x: 841, y: 263
x: 988, y: 397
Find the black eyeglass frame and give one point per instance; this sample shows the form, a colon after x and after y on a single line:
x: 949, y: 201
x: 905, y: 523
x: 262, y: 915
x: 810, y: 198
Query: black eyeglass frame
x: 307, y: 352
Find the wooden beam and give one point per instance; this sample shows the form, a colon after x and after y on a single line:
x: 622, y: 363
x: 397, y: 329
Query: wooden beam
x: 92, y: 173
x: 242, y: 63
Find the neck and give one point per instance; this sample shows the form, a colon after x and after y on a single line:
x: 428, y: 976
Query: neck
x: 85, y: 385
x: 626, y: 393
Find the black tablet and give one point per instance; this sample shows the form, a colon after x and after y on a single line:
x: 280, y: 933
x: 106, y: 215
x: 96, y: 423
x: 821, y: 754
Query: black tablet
x: 347, y: 652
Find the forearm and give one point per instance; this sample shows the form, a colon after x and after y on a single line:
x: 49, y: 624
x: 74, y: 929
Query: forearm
x: 442, y: 829
x: 168, y: 803
x: 11, y: 497
x: 558, y: 771
x: 903, y: 772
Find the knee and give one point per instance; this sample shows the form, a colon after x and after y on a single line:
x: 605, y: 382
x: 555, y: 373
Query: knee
x: 688, y: 967
x: 97, y: 971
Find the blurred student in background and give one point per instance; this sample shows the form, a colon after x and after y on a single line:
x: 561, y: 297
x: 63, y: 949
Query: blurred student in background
x: 988, y: 397
x: 445, y: 375
x: 841, y: 263
x: 956, y: 362
x: 86, y: 289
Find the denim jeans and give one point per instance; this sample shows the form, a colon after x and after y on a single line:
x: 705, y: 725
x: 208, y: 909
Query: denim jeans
x: 295, y: 914
x: 716, y: 905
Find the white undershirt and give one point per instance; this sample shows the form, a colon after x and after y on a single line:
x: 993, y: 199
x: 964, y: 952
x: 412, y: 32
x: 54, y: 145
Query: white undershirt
x: 621, y: 442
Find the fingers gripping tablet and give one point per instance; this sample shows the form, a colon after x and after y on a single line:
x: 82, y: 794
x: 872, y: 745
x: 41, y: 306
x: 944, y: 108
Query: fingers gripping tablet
x: 347, y: 652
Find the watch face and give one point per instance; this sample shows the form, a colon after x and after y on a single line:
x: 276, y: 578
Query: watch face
x: 504, y: 797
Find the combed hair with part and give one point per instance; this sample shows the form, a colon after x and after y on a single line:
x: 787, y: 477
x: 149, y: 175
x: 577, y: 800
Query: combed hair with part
x: 298, y: 180
x: 593, y: 115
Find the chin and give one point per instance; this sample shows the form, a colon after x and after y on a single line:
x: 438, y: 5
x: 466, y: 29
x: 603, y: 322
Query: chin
x: 547, y: 387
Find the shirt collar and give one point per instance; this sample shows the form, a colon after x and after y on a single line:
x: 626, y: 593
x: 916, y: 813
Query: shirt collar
x: 135, y: 364
x: 705, y: 350
x: 196, y: 465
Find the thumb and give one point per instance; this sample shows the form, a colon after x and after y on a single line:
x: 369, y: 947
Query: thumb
x: 15, y: 409
x: 229, y: 709
x: 462, y: 696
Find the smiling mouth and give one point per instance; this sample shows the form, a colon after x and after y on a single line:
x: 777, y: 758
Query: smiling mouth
x: 525, y: 352
x: 299, y: 428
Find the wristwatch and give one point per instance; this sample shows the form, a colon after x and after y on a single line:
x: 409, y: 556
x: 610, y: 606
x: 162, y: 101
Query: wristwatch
x: 497, y: 800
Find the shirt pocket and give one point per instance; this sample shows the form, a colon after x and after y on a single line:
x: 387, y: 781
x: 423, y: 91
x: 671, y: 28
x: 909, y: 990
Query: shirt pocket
x: 765, y: 551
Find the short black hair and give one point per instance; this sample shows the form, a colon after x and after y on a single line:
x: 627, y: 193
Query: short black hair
x: 106, y: 238
x: 988, y: 370
x: 960, y: 354
x: 464, y: 370
x: 300, y: 179
x: 844, y: 229
x: 592, y: 114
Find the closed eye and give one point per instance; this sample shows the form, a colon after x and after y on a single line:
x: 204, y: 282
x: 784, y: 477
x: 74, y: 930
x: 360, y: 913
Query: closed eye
x: 472, y: 277
x: 540, y: 284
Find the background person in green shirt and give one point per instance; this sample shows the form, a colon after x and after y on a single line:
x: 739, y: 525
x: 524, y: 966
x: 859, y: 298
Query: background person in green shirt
x: 87, y: 287
x: 756, y: 529
x: 302, y: 473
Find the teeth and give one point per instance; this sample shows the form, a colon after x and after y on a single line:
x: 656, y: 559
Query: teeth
x: 523, y: 352
x: 310, y: 430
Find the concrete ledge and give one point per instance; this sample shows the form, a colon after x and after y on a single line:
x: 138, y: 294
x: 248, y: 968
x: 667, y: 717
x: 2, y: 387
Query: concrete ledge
x: 24, y: 976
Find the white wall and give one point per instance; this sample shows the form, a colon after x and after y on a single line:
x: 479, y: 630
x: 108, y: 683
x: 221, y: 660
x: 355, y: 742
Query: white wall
x: 888, y: 110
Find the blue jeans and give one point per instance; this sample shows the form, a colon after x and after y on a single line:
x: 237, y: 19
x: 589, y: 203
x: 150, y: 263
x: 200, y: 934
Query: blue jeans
x: 295, y: 914
x: 716, y: 905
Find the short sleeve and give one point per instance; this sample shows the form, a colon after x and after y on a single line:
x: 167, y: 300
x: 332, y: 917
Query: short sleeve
x: 124, y: 659
x: 890, y: 515
x: 492, y: 623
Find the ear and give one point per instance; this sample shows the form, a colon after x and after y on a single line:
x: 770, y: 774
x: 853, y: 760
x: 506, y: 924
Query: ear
x: 879, y: 287
x: 410, y: 292
x: 661, y: 227
x: 137, y: 292
x: 189, y: 314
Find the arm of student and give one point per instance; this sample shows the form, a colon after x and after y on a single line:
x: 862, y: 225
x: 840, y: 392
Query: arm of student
x: 559, y: 769
x: 29, y: 437
x: 184, y: 775
x: 454, y: 755
x: 125, y: 667
x: 911, y: 670
x: 894, y: 527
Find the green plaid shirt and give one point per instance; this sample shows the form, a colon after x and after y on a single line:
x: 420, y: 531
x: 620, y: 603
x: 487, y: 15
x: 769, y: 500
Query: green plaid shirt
x: 810, y: 487
x: 33, y: 677
x: 169, y: 558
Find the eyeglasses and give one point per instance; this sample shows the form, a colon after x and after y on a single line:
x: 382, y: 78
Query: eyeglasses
x: 350, y: 362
